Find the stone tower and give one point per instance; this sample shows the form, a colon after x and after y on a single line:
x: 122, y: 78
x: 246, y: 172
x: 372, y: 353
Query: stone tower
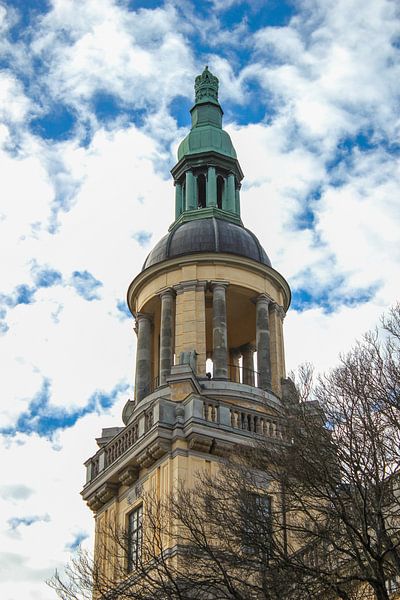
x: 210, y: 361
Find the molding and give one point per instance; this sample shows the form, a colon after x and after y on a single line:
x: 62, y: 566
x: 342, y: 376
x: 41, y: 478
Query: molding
x: 129, y: 476
x: 212, y: 258
x: 263, y: 298
x: 247, y: 348
x: 151, y: 454
x: 205, y: 213
x: 209, y: 158
x: 169, y: 291
x: 219, y: 283
x: 105, y: 493
x: 279, y: 310
x: 196, y: 285
x: 143, y: 316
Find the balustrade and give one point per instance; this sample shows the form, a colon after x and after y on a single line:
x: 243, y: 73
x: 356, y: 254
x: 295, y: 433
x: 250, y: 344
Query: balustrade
x: 121, y: 443
x: 253, y: 423
x: 210, y: 412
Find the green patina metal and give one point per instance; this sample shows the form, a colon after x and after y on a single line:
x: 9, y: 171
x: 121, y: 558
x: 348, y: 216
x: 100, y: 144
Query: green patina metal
x: 207, y: 175
x: 206, y: 134
x: 206, y: 87
x: 206, y: 213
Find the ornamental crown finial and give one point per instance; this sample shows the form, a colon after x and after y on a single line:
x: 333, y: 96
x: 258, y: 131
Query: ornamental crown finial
x: 206, y: 86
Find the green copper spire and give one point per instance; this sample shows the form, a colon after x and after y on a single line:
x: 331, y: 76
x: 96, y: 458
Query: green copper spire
x: 207, y: 175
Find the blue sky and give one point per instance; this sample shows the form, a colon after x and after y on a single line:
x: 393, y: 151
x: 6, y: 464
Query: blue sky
x: 94, y: 100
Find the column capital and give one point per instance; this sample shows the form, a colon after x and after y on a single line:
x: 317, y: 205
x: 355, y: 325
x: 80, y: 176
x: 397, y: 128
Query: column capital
x: 216, y: 284
x: 280, y: 311
x: 263, y: 298
x: 235, y: 352
x: 194, y: 285
x: 143, y: 316
x: 167, y: 292
x: 248, y: 348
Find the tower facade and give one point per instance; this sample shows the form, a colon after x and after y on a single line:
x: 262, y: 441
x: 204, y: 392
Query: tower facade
x: 210, y: 363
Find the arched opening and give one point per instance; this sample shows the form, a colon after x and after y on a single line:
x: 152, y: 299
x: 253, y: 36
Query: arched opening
x: 201, y: 191
x: 220, y: 190
x: 209, y: 368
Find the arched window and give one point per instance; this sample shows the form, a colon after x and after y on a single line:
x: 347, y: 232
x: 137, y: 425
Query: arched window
x: 201, y: 191
x: 220, y: 190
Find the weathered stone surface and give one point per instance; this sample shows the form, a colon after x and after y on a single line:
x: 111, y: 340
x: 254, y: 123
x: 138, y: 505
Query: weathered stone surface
x: 263, y: 342
x: 166, y: 334
x: 220, y: 335
x: 143, y: 356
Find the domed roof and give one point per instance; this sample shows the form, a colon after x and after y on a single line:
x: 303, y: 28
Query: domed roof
x: 208, y: 235
x: 206, y: 139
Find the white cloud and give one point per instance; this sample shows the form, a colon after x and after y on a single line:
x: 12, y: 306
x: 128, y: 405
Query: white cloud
x: 99, y: 46
x: 56, y: 475
x: 336, y: 68
x: 15, y: 104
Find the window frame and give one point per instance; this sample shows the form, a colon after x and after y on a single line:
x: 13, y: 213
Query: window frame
x: 134, y: 537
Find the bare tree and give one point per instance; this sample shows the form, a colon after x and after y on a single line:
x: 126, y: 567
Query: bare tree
x: 341, y: 471
x: 313, y: 515
x: 213, y: 541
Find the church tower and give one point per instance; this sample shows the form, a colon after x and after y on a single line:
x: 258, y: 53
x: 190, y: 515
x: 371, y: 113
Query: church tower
x: 208, y: 308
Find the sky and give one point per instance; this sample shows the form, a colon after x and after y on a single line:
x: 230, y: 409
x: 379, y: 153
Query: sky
x: 94, y: 99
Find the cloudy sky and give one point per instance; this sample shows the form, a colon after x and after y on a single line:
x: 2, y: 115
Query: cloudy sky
x: 94, y: 98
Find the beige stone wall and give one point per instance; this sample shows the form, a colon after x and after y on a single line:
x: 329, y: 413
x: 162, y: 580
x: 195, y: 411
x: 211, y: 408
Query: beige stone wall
x: 190, y: 323
x: 160, y: 481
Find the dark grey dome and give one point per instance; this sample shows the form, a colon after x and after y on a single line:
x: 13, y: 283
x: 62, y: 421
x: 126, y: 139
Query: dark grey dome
x: 207, y: 235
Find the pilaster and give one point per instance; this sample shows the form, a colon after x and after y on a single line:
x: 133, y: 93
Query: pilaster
x: 190, y: 321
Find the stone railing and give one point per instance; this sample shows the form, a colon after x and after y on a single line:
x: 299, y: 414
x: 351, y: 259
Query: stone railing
x: 255, y: 423
x: 210, y: 411
x: 118, y: 445
x: 190, y: 414
x: 121, y: 443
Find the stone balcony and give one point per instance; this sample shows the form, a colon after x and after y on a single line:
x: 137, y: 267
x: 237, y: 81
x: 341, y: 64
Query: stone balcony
x: 186, y: 409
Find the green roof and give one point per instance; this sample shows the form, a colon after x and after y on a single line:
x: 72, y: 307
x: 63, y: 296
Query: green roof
x: 207, y: 138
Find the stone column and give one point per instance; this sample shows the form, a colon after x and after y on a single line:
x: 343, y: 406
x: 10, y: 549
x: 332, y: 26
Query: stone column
x: 230, y: 196
x: 263, y: 342
x: 143, y: 355
x: 234, y: 357
x: 237, y: 200
x: 190, y: 200
x: 248, y: 364
x: 178, y: 200
x: 211, y: 197
x: 166, y: 333
x: 220, y: 335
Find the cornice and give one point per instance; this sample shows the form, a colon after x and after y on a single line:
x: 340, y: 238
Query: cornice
x: 208, y: 258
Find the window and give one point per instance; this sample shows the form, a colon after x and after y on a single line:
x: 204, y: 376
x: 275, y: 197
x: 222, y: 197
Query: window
x: 135, y: 537
x: 201, y: 191
x: 392, y: 584
x: 256, y: 528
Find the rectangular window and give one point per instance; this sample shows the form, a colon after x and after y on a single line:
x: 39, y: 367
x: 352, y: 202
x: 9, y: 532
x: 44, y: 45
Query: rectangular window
x: 135, y: 537
x: 256, y: 532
